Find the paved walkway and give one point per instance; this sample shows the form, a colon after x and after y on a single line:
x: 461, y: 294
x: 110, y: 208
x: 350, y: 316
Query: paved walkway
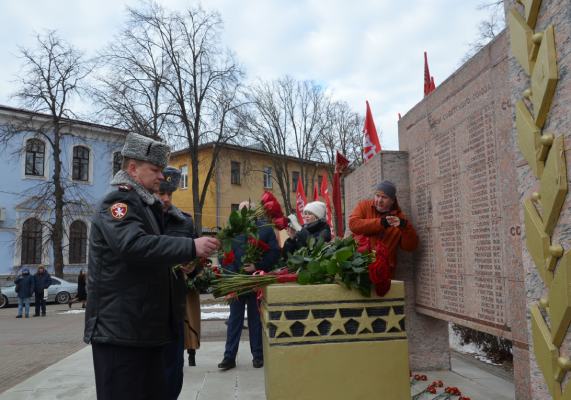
x: 72, y: 378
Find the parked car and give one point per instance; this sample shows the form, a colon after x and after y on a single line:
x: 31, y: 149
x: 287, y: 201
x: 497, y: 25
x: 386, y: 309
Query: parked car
x: 60, y: 291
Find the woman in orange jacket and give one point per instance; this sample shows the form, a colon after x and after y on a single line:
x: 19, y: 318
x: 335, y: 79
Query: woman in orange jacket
x: 381, y: 219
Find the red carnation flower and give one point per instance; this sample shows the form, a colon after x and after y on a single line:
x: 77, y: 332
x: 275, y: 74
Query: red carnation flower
x: 260, y: 244
x: 267, y: 197
x: 379, y: 271
x: 273, y: 209
x: 229, y: 258
x: 281, y: 222
x: 363, y: 243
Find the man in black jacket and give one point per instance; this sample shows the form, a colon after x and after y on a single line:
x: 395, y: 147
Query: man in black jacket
x: 129, y: 317
x: 42, y: 281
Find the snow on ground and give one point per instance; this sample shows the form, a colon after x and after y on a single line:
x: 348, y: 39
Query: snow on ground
x: 472, y: 348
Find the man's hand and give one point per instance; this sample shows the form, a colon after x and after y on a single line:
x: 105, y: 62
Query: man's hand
x: 393, y: 221
x: 249, y: 268
x: 206, y: 246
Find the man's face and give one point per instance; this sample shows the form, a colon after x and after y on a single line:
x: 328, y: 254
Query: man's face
x: 383, y: 203
x: 147, y: 174
x: 166, y: 198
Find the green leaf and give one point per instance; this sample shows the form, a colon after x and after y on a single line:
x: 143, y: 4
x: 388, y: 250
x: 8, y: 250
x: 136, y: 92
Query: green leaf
x: 332, y: 268
x: 343, y: 254
x: 234, y: 220
x: 314, y: 267
x: 303, y: 278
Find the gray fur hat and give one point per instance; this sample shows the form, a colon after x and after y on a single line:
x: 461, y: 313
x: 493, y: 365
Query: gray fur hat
x: 143, y: 148
x: 171, y: 181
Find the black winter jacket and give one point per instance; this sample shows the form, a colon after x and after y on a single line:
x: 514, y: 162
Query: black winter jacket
x: 41, y: 282
x: 317, y: 229
x: 129, y: 271
x: 179, y: 224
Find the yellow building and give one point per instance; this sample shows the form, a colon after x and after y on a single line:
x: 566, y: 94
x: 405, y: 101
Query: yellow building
x: 241, y: 173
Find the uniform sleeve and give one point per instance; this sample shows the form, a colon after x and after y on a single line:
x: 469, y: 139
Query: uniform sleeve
x: 127, y: 236
x: 361, y: 225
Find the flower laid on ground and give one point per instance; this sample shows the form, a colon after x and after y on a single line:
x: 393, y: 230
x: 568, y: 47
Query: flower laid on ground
x: 450, y: 392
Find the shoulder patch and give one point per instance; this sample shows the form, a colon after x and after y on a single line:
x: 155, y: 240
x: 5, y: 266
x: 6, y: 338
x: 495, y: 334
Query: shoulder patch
x: 118, y: 210
x: 125, y: 188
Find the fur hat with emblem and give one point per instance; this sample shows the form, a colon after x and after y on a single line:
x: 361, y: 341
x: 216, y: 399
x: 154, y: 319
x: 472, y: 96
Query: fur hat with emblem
x: 171, y: 181
x: 143, y: 148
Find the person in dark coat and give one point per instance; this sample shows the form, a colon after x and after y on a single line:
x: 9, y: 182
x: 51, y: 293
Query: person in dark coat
x: 128, y: 318
x: 238, y: 305
x: 81, y: 290
x: 180, y: 224
x: 42, y: 281
x: 314, y: 225
x: 25, y: 289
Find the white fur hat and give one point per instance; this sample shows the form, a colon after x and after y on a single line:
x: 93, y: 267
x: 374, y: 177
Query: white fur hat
x: 317, y: 208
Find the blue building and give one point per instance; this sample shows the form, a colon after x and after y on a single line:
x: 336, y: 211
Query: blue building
x: 90, y: 155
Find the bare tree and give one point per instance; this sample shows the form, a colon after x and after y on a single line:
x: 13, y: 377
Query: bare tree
x: 345, y: 135
x: 197, y: 79
x: 51, y: 76
x: 287, y: 118
x: 489, y: 28
x: 131, y: 90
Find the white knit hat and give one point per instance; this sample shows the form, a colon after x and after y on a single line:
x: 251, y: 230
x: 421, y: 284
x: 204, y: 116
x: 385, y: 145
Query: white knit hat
x: 317, y: 208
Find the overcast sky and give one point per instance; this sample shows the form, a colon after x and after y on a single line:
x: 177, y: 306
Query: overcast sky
x: 358, y: 49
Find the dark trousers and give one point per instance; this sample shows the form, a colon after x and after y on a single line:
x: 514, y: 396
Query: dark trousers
x: 128, y: 373
x: 173, y: 358
x: 39, y: 302
x: 236, y: 322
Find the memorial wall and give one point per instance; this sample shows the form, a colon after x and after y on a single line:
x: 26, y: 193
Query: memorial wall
x: 464, y: 200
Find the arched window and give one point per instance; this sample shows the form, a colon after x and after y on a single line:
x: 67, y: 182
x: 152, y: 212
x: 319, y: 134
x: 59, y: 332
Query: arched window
x: 80, y: 163
x: 77, y: 242
x: 117, y: 162
x: 31, y: 242
x: 35, y: 156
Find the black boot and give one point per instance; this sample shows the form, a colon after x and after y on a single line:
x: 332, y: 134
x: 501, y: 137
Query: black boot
x: 191, y: 357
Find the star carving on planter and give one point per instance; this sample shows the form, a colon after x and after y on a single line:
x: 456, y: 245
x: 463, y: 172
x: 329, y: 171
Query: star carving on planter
x: 392, y: 320
x: 337, y: 323
x: 366, y: 322
x: 311, y: 324
x: 282, y: 326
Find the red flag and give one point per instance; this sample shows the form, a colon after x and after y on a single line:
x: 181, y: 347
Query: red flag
x: 315, y: 193
x: 300, y: 200
x: 325, y: 194
x: 341, y: 163
x: 428, y: 79
x: 371, y: 145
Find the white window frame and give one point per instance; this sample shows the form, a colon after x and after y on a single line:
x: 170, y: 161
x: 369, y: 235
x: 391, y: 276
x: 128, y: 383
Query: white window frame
x: 184, y: 176
x: 267, y: 177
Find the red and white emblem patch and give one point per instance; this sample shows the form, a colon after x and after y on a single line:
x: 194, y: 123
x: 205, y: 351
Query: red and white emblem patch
x: 118, y: 210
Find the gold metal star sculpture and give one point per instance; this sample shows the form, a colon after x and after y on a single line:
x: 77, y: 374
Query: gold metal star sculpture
x: 311, y: 324
x: 282, y: 325
x: 337, y: 323
x: 392, y: 320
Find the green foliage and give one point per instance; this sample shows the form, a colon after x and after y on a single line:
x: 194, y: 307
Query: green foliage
x: 334, y: 262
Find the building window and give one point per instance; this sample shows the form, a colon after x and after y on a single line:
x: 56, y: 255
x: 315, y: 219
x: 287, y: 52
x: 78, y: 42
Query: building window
x: 35, y: 155
x: 268, y: 177
x: 78, y: 242
x: 234, y: 172
x: 184, y: 177
x: 117, y: 162
x: 80, y: 164
x: 31, y: 242
x: 234, y: 207
x: 294, y: 179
